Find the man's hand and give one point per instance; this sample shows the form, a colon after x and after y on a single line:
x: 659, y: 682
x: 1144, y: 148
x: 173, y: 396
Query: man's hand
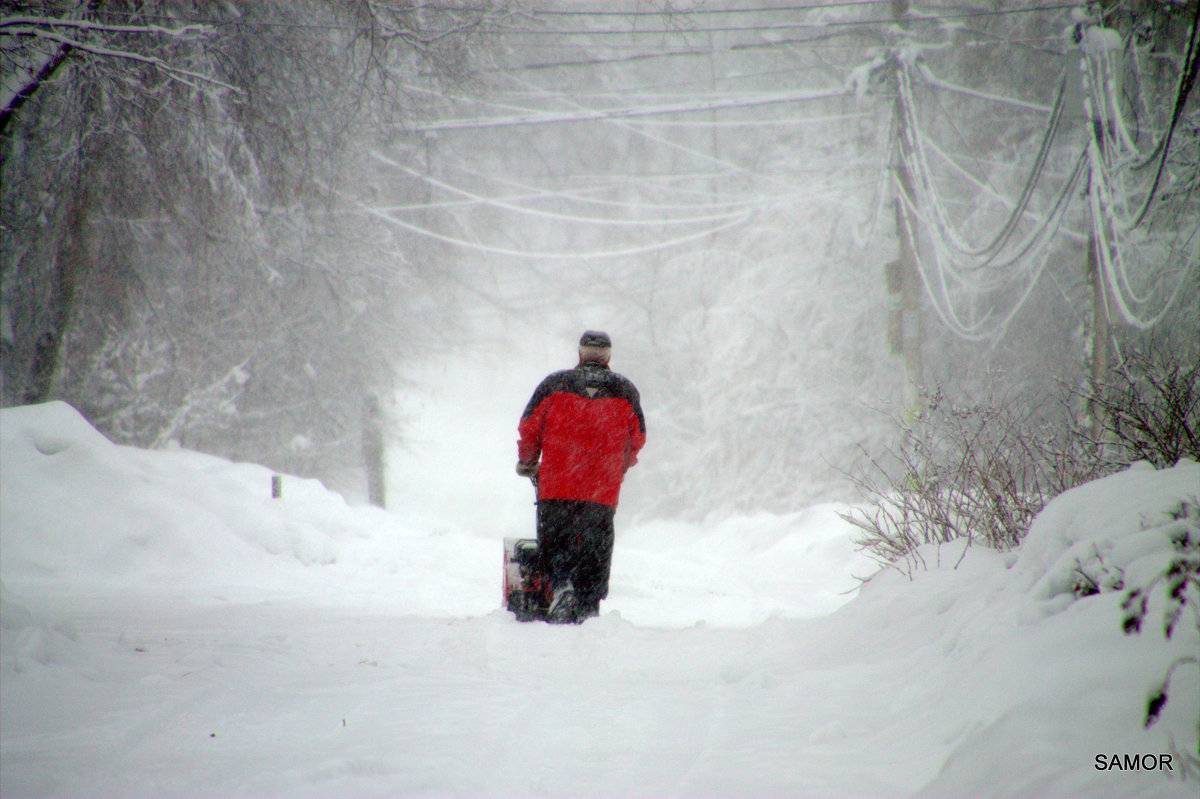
x: 527, y: 469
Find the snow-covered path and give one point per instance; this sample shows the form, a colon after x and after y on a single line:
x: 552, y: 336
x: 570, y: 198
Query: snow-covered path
x: 162, y: 696
x: 271, y: 700
x: 171, y: 631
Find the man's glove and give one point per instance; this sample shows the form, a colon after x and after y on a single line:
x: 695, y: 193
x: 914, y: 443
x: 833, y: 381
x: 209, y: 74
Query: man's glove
x: 527, y: 469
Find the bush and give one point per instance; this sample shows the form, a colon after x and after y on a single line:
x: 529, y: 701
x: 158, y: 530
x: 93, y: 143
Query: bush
x: 979, y: 471
x: 1179, y: 586
x: 1150, y: 409
x: 982, y: 470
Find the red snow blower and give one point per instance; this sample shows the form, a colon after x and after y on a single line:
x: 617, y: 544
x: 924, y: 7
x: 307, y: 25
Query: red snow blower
x: 527, y: 591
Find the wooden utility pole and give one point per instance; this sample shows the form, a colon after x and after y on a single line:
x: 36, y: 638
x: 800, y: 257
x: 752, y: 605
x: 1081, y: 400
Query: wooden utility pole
x: 1100, y: 335
x: 374, y: 458
x: 1077, y: 108
x: 906, y: 279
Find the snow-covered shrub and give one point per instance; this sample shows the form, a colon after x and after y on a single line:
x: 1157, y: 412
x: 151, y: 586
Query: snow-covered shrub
x: 1151, y: 409
x: 979, y: 471
x: 1177, y: 587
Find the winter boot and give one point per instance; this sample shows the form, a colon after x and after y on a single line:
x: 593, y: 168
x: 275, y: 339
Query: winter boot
x: 564, y: 607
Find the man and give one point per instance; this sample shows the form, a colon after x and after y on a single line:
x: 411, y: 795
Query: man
x: 586, y: 426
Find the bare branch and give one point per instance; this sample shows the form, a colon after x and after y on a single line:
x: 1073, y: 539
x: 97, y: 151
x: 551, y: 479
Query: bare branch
x: 29, y: 89
x: 181, y: 75
x: 187, y: 31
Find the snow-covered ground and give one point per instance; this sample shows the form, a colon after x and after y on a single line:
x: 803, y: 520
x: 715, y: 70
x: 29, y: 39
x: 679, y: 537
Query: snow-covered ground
x: 170, y: 630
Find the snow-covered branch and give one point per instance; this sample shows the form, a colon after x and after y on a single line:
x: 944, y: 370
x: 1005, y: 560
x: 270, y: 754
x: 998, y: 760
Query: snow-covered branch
x: 187, y: 31
x: 216, y: 398
x: 182, y: 75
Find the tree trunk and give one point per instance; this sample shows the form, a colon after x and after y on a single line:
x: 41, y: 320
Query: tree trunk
x: 72, y: 261
x: 373, y: 457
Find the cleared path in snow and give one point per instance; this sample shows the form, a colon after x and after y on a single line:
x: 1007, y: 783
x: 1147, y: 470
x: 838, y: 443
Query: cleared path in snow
x: 279, y: 699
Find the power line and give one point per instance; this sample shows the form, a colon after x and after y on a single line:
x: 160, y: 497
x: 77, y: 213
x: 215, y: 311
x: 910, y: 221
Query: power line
x: 822, y: 25
x: 942, y: 270
x: 594, y: 115
x: 494, y: 28
x: 1187, y: 78
x: 696, y: 12
x: 686, y: 101
x: 814, y: 43
x: 526, y: 210
x: 809, y: 44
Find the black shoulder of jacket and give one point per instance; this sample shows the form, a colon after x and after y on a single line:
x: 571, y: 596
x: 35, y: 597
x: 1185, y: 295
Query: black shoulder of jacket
x: 592, y: 380
x: 559, y: 381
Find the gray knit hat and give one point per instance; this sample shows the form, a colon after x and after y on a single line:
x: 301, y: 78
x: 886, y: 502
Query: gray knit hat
x: 595, y: 338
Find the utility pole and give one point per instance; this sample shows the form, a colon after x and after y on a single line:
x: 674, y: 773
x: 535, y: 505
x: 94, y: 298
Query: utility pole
x: 910, y: 325
x: 374, y: 456
x: 1100, y: 334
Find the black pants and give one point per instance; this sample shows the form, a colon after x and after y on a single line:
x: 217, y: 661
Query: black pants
x: 575, y: 542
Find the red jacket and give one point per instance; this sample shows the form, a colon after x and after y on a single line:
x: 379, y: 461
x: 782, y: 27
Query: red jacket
x: 587, y: 426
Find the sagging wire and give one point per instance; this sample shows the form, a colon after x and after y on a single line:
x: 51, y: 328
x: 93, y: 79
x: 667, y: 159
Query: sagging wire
x: 983, y: 187
x: 1111, y: 252
x: 526, y: 210
x: 1030, y: 244
x: 1187, y: 79
x: 1121, y: 153
x: 920, y: 162
x: 943, y: 269
x: 1003, y: 263
x: 525, y: 253
x: 1113, y: 156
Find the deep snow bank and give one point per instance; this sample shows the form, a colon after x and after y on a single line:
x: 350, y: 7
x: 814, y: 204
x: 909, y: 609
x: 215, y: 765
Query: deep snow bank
x: 342, y: 670
x: 1030, y: 652
x: 80, y: 514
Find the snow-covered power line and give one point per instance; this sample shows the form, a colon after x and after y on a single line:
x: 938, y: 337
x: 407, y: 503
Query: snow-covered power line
x: 691, y: 102
x: 582, y: 114
x: 944, y: 228
x: 1122, y: 247
x: 702, y: 11
x: 389, y: 215
x: 1143, y: 274
x: 528, y: 211
x: 1187, y: 80
x: 623, y: 124
x: 1006, y: 268
x: 710, y: 204
x: 939, y: 275
x: 791, y: 122
x: 933, y: 80
x: 992, y: 249
x: 1114, y: 252
x: 583, y: 195
x: 521, y: 252
x: 913, y: 16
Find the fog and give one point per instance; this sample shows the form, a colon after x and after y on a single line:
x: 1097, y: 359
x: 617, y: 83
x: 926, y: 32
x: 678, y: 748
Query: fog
x: 911, y: 294
x: 229, y: 229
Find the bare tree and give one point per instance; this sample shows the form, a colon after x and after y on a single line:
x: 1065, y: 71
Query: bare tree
x: 177, y: 258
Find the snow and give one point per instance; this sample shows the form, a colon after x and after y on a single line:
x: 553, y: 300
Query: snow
x: 1098, y: 40
x: 171, y: 630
